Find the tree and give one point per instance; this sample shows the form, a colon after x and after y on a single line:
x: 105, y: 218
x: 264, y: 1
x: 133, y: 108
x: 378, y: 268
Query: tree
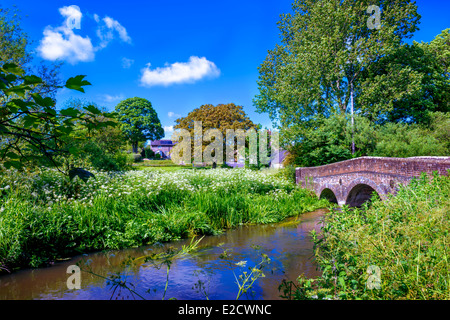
x: 317, y: 69
x: 408, y: 84
x: 331, y: 141
x: 32, y: 130
x: 221, y: 117
x: 139, y: 121
x: 13, y: 40
x: 102, y: 148
x: 14, y: 43
x: 408, y: 140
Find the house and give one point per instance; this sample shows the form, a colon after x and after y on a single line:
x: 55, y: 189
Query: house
x: 162, y: 147
x: 280, y: 156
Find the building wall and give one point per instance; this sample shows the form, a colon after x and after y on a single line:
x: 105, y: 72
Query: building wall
x: 165, y: 150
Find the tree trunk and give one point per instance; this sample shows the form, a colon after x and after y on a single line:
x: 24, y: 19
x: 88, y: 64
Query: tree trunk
x: 134, y: 145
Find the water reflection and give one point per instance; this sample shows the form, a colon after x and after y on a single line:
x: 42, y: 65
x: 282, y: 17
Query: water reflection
x: 196, y: 276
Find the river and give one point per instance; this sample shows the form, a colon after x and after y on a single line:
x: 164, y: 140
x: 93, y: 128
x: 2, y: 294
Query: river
x: 196, y: 276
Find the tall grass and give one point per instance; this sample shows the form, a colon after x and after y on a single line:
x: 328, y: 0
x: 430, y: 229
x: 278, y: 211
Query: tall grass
x: 405, y: 239
x: 44, y: 216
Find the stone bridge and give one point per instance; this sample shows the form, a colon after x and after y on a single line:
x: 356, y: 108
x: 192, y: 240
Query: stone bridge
x: 353, y: 182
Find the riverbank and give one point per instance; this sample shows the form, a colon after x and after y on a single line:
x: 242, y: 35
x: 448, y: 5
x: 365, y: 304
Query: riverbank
x: 396, y: 249
x: 45, y: 216
x: 206, y: 272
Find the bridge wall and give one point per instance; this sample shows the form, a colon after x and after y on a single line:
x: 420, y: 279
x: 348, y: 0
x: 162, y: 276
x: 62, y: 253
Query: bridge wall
x: 381, y: 174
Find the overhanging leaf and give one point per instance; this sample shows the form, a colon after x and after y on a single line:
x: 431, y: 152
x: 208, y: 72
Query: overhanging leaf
x: 77, y: 83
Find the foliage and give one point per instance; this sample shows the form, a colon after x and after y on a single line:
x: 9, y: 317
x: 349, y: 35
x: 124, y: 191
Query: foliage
x: 101, y: 148
x: 221, y: 117
x: 13, y: 40
x: 330, y: 141
x: 32, y: 129
x: 148, y: 152
x: 402, y: 140
x: 316, y: 71
x: 246, y: 279
x: 405, y: 238
x: 14, y: 44
x: 44, y: 215
x: 408, y: 84
x: 139, y: 121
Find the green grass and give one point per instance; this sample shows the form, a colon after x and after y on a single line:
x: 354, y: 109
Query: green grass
x: 406, y: 238
x: 44, y: 216
x: 166, y: 165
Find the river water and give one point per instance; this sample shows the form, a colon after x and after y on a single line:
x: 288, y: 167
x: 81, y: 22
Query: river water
x: 205, y: 273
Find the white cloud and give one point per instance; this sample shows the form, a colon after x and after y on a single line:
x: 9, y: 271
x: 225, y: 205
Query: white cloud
x: 168, y: 131
x: 109, y: 98
x: 106, y: 29
x: 179, y: 72
x: 127, y: 63
x: 115, y: 25
x: 168, y: 128
x: 61, y: 43
x: 73, y: 16
x: 173, y: 115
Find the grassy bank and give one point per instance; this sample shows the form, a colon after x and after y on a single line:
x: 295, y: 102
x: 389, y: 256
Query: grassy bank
x: 44, y: 216
x: 396, y: 249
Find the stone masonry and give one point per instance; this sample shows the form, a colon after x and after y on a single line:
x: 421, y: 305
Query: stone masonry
x: 353, y: 181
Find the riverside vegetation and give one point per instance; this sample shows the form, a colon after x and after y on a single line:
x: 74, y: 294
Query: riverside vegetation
x: 45, y: 216
x: 404, y: 239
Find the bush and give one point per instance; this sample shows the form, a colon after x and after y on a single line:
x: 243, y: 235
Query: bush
x: 403, y: 140
x: 148, y: 153
x: 405, y: 238
x: 288, y: 173
x: 136, y: 157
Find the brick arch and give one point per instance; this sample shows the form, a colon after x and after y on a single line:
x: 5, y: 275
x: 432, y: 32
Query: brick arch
x: 380, y: 174
x: 330, y: 194
x: 361, y: 182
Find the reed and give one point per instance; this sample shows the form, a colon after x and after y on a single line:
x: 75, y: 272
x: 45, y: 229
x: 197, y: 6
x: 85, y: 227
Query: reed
x: 45, y: 216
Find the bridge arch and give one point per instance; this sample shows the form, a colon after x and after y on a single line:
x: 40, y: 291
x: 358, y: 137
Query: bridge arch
x: 361, y: 190
x: 352, y: 181
x: 328, y: 194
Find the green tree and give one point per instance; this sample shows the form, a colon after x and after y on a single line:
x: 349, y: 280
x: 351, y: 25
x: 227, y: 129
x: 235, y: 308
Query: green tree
x: 32, y: 130
x: 331, y: 141
x: 221, y: 117
x: 13, y: 40
x: 139, y: 121
x: 408, y: 84
x: 317, y: 69
x: 102, y: 148
x: 14, y: 48
x: 408, y: 140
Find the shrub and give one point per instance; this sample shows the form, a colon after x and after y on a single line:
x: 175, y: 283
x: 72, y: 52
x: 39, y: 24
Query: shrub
x: 137, y: 157
x: 148, y: 153
x: 405, y: 238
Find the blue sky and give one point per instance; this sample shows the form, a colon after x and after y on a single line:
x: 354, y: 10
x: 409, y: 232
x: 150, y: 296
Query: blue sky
x: 177, y: 54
